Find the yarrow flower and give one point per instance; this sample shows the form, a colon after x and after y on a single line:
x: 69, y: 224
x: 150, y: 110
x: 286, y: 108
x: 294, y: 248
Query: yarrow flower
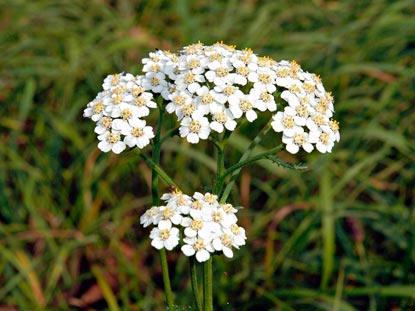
x: 210, y: 89
x: 207, y: 226
x: 118, y: 111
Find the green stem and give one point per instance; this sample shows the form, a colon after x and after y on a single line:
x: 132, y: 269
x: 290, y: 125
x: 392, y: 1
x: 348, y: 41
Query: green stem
x: 160, y: 172
x: 166, y: 279
x: 220, y: 165
x: 241, y: 164
x: 243, y: 158
x: 207, y: 285
x: 195, y: 284
x: 156, y: 170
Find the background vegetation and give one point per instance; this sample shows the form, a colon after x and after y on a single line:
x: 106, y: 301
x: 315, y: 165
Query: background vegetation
x: 339, y: 236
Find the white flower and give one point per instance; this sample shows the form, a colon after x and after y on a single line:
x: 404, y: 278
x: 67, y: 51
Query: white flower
x: 164, y: 236
x: 194, y: 129
x: 242, y: 104
x: 285, y: 122
x: 170, y: 214
x: 199, y: 247
x: 111, y: 81
x: 299, y: 139
x: 111, y: 140
x: 152, y: 216
x: 177, y: 200
x: 239, y: 235
x: 95, y: 109
x: 207, y: 99
x: 324, y: 141
x: 155, y: 81
x: 219, y: 72
x: 136, y: 132
x: 224, y: 243
x: 222, y: 118
x: 228, y: 215
x: 263, y: 100
x: 263, y: 78
x: 142, y: 103
x: 179, y: 99
x: 103, y: 125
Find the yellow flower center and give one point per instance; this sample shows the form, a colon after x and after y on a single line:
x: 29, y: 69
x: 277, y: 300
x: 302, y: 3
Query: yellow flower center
x: 189, y: 78
x: 318, y: 119
x: 114, y: 137
x: 215, y: 56
x: 189, y: 109
x: 106, y: 122
x: 140, y: 101
x: 288, y: 122
x: 265, y: 97
x: 167, y: 213
x: 199, y: 245
x: 324, y: 138
x: 226, y: 240
x: 126, y: 114
x: 137, y: 132
x: 217, y: 216
x: 229, y: 90
x: 98, y: 107
x: 195, y: 126
x: 295, y: 89
x: 154, y: 81
x: 299, y: 139
x: 197, y: 224
x: 302, y: 110
x: 283, y: 72
x: 222, y: 72
x: 334, y: 125
x: 179, y: 100
x: 115, y: 79
x: 220, y: 117
x: 265, y: 78
x: 194, y: 63
x: 197, y: 205
x: 137, y: 91
x: 207, y: 98
x: 243, y: 71
x: 228, y: 208
x: 245, y: 105
x: 154, y: 67
x: 164, y: 234
x: 309, y: 87
x: 235, y: 229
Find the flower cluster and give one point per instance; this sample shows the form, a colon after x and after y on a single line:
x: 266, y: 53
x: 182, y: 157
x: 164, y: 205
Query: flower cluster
x: 211, y: 89
x: 118, y: 112
x: 205, y: 225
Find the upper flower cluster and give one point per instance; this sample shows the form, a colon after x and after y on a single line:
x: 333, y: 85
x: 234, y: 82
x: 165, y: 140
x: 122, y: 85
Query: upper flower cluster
x: 211, y: 88
x: 118, y: 112
x: 206, y: 225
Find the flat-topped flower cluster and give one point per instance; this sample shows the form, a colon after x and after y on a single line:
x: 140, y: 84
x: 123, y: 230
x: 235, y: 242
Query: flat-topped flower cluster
x: 212, y: 89
x: 200, y: 224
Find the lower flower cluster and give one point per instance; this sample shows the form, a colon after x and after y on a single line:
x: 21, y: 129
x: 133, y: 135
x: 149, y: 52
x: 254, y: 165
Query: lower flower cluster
x: 200, y: 224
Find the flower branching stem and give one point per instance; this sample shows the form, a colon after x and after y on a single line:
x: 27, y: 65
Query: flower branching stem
x: 156, y: 172
x: 237, y: 167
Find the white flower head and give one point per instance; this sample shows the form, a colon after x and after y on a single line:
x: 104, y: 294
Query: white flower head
x: 194, y: 129
x: 199, y: 247
x: 165, y: 236
x: 152, y: 216
x: 299, y: 139
x: 111, y: 141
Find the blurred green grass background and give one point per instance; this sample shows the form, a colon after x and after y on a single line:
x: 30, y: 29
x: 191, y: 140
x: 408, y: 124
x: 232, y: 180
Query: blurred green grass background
x: 339, y: 236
